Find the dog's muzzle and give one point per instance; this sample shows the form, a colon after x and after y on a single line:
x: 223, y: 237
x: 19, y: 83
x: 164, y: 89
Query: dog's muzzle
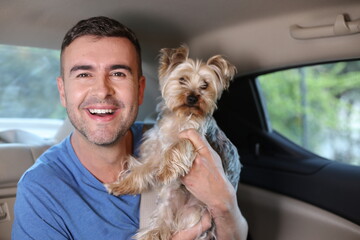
x: 191, y: 100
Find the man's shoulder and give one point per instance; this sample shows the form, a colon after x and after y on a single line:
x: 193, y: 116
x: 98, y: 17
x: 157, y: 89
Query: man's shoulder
x: 49, y: 167
x: 142, y: 127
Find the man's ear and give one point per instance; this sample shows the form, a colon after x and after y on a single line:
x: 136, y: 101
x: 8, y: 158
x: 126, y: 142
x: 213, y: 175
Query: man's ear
x: 142, y: 85
x: 61, y: 89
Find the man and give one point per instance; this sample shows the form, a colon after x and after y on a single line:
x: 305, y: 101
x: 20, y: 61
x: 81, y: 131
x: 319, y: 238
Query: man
x: 63, y: 195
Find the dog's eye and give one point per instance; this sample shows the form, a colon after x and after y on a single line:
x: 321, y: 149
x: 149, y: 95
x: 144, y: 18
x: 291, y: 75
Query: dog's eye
x: 182, y: 81
x: 204, y: 86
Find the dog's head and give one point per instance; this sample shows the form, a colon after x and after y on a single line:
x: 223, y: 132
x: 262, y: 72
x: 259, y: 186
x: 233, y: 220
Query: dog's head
x: 192, y: 87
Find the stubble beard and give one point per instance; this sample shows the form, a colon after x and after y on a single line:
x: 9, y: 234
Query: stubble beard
x: 102, y: 136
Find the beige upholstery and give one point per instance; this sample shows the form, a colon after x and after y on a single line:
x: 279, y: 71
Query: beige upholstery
x: 14, y: 160
x: 18, y: 152
x: 273, y: 216
x: 63, y: 131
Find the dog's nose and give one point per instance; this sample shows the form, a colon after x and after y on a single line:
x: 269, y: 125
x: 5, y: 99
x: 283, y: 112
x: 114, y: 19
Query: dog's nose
x: 192, y: 99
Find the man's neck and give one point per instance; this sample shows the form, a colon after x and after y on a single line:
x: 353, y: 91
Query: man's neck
x: 104, y: 162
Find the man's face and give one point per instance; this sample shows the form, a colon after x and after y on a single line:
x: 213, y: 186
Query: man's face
x: 101, y: 87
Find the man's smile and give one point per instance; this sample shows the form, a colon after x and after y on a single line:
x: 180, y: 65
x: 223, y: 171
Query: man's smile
x: 104, y: 113
x: 101, y: 111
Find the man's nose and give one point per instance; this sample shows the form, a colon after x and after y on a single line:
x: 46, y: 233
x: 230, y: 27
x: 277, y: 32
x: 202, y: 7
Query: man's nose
x: 104, y: 87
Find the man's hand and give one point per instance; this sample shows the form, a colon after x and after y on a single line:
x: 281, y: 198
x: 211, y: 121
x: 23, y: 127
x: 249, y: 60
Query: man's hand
x: 208, y: 183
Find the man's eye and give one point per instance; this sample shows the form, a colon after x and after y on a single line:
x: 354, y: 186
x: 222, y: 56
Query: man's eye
x: 119, y: 74
x: 83, y: 75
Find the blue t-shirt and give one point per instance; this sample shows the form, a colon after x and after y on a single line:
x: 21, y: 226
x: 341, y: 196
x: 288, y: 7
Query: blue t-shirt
x: 58, y: 198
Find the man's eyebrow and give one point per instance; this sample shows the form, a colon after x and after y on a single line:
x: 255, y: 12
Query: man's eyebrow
x: 121, y: 66
x: 89, y: 67
x: 80, y: 67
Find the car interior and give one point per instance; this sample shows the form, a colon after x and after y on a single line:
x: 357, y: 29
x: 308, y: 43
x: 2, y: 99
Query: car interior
x: 292, y: 185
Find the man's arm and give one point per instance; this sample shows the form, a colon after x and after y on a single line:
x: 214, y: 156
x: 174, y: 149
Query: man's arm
x: 207, y: 182
x: 33, y: 216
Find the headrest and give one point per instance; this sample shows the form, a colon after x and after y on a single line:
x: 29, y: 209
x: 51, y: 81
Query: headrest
x: 63, y: 131
x: 18, y: 151
x: 15, y: 159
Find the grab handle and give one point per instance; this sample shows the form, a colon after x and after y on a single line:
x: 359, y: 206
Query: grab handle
x: 341, y: 27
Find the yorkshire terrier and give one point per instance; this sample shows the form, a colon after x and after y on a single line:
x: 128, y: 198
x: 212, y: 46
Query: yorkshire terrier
x: 190, y: 89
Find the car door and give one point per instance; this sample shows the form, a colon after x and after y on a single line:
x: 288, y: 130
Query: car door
x: 287, y: 191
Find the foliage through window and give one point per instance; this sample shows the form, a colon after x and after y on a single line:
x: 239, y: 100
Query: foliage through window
x: 317, y: 107
x: 28, y: 83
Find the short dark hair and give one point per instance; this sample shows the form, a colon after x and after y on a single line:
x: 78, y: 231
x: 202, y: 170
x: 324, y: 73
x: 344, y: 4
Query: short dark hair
x: 101, y: 27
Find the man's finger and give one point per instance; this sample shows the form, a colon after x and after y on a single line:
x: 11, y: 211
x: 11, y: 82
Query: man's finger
x: 197, y: 140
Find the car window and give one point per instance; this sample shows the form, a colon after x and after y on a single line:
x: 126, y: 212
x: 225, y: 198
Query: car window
x: 29, y: 98
x: 317, y: 107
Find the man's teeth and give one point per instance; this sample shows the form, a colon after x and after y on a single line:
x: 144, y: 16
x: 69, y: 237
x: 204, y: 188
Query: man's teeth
x: 101, y: 111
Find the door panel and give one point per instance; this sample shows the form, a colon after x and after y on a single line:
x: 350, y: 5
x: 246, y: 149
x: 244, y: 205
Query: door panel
x: 278, y: 217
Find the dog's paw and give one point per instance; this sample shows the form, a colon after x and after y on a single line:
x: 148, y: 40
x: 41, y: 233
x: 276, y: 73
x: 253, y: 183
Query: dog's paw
x: 114, y: 189
x: 122, y: 187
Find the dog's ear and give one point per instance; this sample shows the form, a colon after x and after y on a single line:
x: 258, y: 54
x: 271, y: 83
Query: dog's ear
x: 223, y: 69
x: 172, y: 57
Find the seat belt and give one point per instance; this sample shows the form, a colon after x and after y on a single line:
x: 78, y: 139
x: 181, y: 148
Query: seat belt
x: 147, y: 206
x: 148, y: 198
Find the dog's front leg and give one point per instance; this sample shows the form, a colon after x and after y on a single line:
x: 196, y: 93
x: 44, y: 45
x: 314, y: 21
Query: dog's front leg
x: 138, y: 179
x: 177, y: 161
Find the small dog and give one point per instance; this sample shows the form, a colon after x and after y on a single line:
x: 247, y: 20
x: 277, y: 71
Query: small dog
x: 190, y: 89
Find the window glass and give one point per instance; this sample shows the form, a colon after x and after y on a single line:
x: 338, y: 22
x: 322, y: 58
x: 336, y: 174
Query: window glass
x: 28, y: 87
x: 317, y: 107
